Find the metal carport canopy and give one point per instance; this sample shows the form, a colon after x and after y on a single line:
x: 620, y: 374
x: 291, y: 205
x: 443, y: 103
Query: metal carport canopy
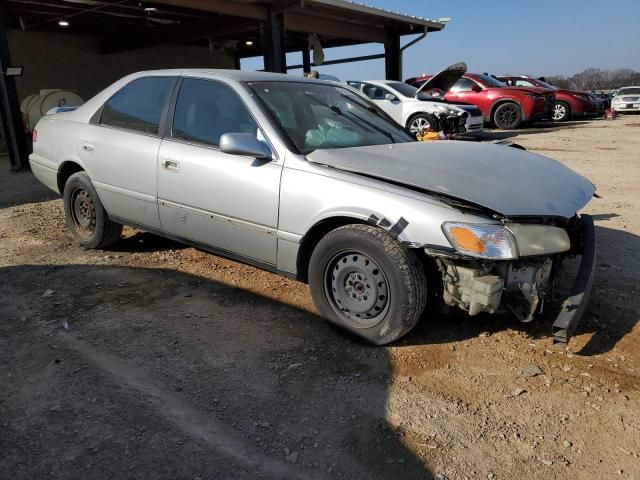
x: 337, y: 22
x: 270, y: 28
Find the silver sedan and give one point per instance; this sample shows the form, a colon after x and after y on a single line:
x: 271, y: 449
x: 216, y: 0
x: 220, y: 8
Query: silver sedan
x: 310, y: 180
x: 627, y: 99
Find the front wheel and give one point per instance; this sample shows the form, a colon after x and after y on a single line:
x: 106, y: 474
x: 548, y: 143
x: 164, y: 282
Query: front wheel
x: 366, y: 282
x: 561, y: 112
x: 418, y: 124
x: 85, y: 215
x: 507, y: 116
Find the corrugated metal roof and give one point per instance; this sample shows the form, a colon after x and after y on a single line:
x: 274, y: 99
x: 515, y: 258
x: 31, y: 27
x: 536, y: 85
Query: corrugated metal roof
x: 363, y: 8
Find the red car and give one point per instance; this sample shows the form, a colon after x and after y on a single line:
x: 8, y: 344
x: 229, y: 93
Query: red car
x: 569, y: 103
x: 506, y: 107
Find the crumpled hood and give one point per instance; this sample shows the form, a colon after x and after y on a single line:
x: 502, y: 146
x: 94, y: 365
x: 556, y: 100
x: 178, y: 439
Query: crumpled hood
x: 507, y: 180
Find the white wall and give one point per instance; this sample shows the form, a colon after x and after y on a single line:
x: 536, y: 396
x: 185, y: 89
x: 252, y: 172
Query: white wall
x: 70, y: 62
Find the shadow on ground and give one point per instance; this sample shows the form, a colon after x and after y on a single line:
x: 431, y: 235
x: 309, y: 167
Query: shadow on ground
x: 151, y: 373
x: 537, y: 127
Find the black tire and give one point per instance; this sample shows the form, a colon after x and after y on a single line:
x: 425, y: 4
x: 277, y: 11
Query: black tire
x: 85, y: 215
x: 507, y: 116
x: 561, y: 112
x: 390, y: 273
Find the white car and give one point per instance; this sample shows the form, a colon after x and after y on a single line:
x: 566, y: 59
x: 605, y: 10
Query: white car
x: 627, y: 99
x: 407, y: 104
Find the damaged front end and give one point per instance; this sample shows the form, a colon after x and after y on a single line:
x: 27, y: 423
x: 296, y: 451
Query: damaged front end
x: 521, y: 277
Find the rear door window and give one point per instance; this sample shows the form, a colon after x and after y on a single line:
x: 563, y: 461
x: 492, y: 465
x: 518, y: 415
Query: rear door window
x: 138, y: 106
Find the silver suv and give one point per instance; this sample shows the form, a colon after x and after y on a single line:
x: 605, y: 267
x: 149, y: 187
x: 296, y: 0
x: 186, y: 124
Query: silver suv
x: 310, y: 180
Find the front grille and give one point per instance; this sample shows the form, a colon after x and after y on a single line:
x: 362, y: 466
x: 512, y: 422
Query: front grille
x: 630, y: 99
x: 473, y: 111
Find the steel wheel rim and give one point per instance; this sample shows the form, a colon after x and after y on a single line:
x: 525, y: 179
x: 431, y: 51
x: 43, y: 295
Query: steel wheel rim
x: 83, y: 212
x: 357, y: 289
x: 507, y: 116
x: 418, y: 125
x: 558, y: 111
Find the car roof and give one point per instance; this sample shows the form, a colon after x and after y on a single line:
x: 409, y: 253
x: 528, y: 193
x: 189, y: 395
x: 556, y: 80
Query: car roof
x: 239, y: 75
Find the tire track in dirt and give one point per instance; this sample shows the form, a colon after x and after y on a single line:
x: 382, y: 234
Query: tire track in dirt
x: 183, y: 416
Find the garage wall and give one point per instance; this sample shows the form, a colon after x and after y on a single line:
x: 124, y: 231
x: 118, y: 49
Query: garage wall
x: 68, y: 61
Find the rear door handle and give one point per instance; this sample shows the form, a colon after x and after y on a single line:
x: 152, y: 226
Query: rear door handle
x: 88, y: 146
x: 171, y: 165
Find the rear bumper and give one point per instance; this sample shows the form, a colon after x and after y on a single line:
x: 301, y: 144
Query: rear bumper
x: 574, y: 305
x: 46, y: 175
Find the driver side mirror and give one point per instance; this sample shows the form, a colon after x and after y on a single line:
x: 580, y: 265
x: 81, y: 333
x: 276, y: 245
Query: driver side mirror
x: 391, y: 97
x: 476, y: 88
x: 245, y: 144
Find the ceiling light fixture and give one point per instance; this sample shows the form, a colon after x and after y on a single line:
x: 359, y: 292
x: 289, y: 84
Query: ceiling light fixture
x: 63, y: 23
x: 248, y: 43
x: 150, y: 9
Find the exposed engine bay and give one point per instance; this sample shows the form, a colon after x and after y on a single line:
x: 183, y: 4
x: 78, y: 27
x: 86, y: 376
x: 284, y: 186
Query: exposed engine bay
x: 521, y: 286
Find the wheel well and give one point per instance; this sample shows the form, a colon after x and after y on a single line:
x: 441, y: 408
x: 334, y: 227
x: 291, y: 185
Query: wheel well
x: 412, y: 116
x: 565, y: 103
x: 313, y: 236
x: 66, y: 170
x: 502, y: 102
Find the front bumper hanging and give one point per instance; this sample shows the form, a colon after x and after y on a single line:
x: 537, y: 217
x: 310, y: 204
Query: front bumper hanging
x: 574, y: 305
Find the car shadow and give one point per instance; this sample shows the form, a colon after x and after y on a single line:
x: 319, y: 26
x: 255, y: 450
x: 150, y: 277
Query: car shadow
x: 144, y: 242
x: 115, y: 370
x: 491, y: 134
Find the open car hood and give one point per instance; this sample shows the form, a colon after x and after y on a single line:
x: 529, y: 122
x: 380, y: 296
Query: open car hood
x: 505, y: 180
x: 444, y: 79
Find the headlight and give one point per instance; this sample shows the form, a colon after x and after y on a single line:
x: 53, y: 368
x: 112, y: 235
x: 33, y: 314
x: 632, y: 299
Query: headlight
x: 617, y: 100
x: 446, y: 110
x: 483, y: 240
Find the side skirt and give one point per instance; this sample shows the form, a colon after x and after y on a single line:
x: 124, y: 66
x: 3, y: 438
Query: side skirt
x: 209, y: 249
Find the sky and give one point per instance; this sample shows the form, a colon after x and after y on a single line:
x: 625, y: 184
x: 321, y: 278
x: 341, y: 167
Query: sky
x: 536, y: 37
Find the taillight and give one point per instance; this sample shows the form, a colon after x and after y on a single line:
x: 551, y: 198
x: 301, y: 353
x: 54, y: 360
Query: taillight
x: 34, y: 136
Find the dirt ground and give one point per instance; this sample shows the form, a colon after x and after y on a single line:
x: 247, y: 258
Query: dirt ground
x: 153, y: 360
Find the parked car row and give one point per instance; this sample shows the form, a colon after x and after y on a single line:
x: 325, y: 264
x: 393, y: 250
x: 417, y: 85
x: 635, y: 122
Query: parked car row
x: 569, y: 104
x: 506, y: 107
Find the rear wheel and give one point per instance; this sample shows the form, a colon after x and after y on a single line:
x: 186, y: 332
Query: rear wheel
x: 507, y: 116
x: 366, y: 282
x: 561, y: 112
x: 85, y: 215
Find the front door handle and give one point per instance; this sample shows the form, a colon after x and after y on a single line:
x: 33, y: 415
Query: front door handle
x: 171, y: 165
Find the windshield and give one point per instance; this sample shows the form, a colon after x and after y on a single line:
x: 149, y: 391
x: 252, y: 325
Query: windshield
x: 317, y: 116
x: 490, y: 81
x: 629, y: 91
x: 403, y: 88
x: 546, y: 85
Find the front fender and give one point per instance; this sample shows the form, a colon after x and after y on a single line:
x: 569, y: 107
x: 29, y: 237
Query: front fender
x: 319, y: 193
